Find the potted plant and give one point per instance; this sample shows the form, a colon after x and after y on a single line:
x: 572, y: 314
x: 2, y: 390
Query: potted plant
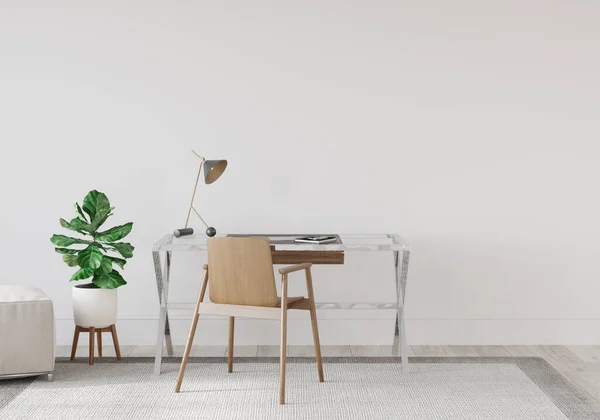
x: 97, y: 255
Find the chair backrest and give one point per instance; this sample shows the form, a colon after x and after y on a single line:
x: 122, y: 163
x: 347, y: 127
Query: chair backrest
x: 240, y: 271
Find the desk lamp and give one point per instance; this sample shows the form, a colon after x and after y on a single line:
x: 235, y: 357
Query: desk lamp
x: 213, y: 169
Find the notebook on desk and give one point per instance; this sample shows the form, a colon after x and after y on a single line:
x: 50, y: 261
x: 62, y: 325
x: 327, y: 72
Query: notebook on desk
x: 321, y: 239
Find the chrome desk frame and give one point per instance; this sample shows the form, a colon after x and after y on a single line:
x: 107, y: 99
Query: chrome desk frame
x: 350, y: 243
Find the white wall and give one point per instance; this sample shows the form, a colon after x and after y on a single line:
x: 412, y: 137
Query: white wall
x: 470, y: 127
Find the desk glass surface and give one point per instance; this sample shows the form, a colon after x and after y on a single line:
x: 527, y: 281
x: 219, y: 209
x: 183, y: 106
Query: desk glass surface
x: 285, y: 242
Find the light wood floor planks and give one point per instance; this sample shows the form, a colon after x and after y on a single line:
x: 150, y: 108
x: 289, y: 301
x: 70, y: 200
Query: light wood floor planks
x: 579, y: 364
x: 429, y: 351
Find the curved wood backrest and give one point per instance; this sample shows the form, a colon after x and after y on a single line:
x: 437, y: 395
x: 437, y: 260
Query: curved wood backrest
x: 240, y: 272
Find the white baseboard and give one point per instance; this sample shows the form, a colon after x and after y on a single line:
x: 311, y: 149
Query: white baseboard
x: 357, y: 327
x: 487, y: 331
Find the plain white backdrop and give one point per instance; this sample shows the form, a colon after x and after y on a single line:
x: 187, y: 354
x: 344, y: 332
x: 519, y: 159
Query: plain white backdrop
x: 469, y: 127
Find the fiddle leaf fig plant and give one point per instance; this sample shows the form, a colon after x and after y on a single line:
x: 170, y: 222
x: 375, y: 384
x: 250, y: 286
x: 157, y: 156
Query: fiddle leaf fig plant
x: 98, y: 252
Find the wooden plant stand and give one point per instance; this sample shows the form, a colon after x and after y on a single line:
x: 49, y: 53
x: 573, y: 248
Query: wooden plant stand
x: 98, y: 332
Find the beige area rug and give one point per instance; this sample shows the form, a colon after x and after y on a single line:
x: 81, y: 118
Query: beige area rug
x: 355, y: 388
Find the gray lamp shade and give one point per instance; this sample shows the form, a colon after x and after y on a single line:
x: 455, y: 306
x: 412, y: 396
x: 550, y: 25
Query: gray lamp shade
x: 213, y: 170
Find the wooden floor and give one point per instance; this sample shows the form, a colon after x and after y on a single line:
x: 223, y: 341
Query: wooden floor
x: 579, y: 364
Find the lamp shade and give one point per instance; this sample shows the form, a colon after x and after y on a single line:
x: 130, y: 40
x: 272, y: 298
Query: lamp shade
x: 213, y: 169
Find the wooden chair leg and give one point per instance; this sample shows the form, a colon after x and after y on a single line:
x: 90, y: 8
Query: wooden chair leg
x: 315, y: 327
x: 113, y: 331
x: 283, y: 348
x: 75, y: 340
x: 99, y: 339
x: 92, y: 335
x: 230, y: 345
x: 188, y: 346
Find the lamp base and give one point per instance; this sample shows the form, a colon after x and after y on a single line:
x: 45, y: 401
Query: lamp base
x: 211, y: 231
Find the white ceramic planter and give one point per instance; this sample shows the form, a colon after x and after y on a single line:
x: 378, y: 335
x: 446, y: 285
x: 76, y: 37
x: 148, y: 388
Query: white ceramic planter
x: 94, y: 307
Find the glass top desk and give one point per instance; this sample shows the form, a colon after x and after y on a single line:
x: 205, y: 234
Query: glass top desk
x: 285, y: 251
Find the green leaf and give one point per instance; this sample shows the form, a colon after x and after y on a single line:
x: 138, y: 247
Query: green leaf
x: 123, y: 248
x: 91, y: 257
x: 70, y: 260
x: 119, y: 261
x: 101, y: 217
x: 66, y: 251
x: 82, y: 273
x: 61, y: 240
x: 77, y: 226
x: 105, y: 265
x: 80, y: 214
x: 94, y: 202
x: 110, y: 280
x: 114, y: 234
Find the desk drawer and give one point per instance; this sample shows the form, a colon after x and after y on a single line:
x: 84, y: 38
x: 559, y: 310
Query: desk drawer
x: 315, y: 257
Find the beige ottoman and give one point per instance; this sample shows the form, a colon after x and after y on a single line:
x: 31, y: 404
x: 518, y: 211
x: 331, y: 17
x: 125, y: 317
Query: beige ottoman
x: 26, y: 332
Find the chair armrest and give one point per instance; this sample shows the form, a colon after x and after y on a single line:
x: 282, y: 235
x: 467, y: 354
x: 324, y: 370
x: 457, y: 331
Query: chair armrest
x: 205, y: 266
x: 293, y: 268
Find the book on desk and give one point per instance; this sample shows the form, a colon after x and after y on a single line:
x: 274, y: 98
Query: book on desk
x: 322, y: 239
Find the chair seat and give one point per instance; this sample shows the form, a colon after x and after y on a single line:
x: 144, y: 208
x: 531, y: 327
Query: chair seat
x: 246, y: 311
x: 289, y: 300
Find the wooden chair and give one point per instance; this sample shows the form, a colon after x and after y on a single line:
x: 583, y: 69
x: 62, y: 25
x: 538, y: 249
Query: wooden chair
x: 242, y: 283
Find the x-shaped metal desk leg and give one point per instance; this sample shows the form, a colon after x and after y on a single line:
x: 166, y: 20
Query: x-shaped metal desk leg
x: 400, y: 346
x: 162, y: 285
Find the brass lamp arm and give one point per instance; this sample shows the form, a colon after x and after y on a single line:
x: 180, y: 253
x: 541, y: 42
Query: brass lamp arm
x: 187, y: 220
x: 198, y: 214
x: 201, y: 159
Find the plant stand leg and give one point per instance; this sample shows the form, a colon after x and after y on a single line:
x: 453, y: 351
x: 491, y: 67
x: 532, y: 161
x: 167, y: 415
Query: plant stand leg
x: 99, y: 339
x: 92, y: 335
x: 113, y: 330
x: 75, y: 340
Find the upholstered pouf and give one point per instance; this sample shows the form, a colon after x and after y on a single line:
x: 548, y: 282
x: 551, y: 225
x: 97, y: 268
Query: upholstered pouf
x: 26, y: 332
